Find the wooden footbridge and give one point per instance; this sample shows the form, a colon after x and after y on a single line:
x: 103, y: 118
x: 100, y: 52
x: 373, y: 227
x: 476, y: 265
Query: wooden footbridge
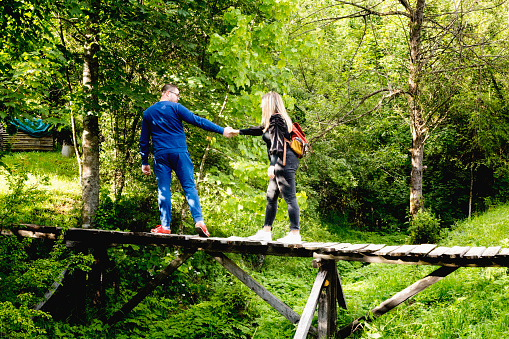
x: 326, y: 293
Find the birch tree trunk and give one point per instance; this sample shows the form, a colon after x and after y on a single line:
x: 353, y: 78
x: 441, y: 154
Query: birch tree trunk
x: 417, y: 125
x: 90, y: 140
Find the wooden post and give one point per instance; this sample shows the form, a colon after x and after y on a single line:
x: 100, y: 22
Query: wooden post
x: 97, y: 276
x: 327, y: 307
x: 397, y: 299
x: 309, y: 309
x: 78, y: 285
x: 150, y: 286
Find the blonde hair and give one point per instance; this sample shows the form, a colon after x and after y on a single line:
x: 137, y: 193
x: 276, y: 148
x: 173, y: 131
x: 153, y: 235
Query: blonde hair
x: 273, y: 103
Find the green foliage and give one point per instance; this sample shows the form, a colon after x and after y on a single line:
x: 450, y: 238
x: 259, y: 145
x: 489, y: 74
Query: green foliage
x: 16, y: 322
x: 135, y: 212
x: 424, y: 228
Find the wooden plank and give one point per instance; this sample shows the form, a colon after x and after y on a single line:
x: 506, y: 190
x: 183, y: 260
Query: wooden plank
x: 503, y: 253
x: 491, y: 252
x: 174, y: 265
x: 456, y: 251
x: 386, y: 250
x: 372, y: 248
x: 437, y: 252
x: 277, y: 304
x: 337, y: 247
x: 313, y: 246
x: 402, y: 251
x: 353, y: 248
x: 396, y: 300
x: 474, y: 252
x: 309, y: 309
x: 423, y: 249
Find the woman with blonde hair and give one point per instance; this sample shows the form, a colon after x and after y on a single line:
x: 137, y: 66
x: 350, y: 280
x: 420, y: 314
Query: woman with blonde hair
x: 275, y: 129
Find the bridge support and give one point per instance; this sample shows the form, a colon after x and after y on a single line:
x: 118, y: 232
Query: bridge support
x: 326, y: 291
x: 397, y: 299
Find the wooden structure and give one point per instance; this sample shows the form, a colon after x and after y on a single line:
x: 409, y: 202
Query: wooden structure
x: 21, y: 141
x: 326, y: 293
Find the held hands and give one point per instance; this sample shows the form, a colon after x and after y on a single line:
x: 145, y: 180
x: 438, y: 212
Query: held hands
x: 270, y: 172
x: 230, y: 132
x: 145, y: 169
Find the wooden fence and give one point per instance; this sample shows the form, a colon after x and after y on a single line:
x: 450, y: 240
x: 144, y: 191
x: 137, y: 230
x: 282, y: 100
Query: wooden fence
x: 21, y: 141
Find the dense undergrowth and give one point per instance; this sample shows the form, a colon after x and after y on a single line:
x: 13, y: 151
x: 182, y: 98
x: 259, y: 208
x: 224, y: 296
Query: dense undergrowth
x: 202, y: 300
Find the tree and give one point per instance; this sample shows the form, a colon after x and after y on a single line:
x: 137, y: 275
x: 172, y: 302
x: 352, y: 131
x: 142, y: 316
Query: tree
x: 443, y: 40
x: 90, y: 176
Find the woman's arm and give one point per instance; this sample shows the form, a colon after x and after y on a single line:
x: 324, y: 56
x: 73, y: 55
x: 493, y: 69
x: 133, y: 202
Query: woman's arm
x: 253, y: 130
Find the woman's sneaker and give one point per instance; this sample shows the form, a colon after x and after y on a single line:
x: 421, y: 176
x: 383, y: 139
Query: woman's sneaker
x: 261, y: 235
x: 291, y: 238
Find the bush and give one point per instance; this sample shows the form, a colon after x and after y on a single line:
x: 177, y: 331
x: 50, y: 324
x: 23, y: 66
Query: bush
x: 17, y: 322
x: 424, y: 228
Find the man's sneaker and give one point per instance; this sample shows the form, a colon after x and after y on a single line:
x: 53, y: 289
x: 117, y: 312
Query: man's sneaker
x: 291, y: 238
x: 261, y: 235
x: 201, y: 229
x: 160, y: 229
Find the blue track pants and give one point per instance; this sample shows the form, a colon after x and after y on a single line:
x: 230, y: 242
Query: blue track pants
x: 183, y: 166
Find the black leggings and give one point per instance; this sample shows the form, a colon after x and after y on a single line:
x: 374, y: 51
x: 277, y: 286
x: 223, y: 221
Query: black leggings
x: 284, y: 183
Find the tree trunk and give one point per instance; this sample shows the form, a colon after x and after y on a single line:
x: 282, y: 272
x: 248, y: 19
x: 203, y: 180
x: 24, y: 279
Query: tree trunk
x: 90, y: 143
x: 418, y: 127
x: 416, y: 197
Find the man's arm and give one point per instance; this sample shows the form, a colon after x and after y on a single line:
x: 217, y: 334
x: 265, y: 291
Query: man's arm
x: 187, y: 116
x: 144, y: 142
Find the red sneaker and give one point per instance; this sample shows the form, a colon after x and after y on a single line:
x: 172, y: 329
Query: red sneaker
x: 160, y: 229
x: 201, y: 229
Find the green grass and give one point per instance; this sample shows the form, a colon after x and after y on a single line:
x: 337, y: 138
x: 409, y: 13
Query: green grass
x: 488, y: 229
x: 51, y: 193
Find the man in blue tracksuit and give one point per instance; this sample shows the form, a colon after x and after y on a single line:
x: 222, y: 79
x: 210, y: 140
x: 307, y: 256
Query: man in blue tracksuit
x: 163, y: 123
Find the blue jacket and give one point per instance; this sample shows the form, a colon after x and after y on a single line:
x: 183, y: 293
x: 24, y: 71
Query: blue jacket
x: 163, y: 122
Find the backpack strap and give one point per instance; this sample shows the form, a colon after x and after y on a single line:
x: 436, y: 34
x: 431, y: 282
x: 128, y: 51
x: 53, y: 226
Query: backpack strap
x: 284, y: 153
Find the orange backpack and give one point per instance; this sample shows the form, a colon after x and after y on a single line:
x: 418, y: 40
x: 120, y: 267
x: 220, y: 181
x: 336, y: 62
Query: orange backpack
x: 298, y: 142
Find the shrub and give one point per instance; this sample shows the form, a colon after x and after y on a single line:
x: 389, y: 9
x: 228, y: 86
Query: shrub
x: 17, y: 322
x: 424, y: 228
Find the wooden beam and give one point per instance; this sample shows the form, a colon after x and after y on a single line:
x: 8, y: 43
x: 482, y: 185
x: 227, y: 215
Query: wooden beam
x: 340, y: 295
x: 397, y: 299
x: 309, y: 309
x: 277, y: 304
x: 327, y: 307
x: 150, y: 287
x: 56, y: 284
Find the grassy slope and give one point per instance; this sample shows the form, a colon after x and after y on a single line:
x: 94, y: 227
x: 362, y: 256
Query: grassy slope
x: 53, y: 188
x: 470, y: 303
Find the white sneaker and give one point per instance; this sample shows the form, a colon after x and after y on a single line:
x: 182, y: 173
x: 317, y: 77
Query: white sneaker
x: 261, y: 235
x: 291, y: 238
